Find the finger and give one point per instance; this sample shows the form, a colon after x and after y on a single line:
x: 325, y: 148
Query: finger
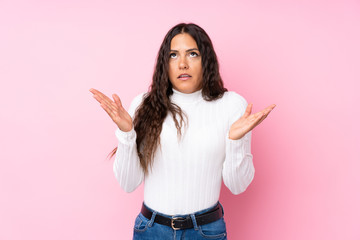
x: 99, y: 99
x: 267, y: 110
x: 112, y: 106
x: 105, y: 102
x: 256, y: 119
x: 248, y: 110
x: 96, y: 94
x: 117, y: 100
x: 262, y: 118
x: 94, y: 91
x: 102, y: 96
x: 255, y: 116
x: 108, y: 110
x: 107, y: 98
x: 103, y: 99
x: 271, y: 107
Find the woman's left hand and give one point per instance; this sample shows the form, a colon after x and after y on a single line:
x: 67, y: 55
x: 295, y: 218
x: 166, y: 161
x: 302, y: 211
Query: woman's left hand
x: 247, y: 122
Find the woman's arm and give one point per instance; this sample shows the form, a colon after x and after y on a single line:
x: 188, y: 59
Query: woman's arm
x: 238, y: 168
x: 127, y: 168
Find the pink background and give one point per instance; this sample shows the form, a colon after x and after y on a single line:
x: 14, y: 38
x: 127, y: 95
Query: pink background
x: 55, y: 180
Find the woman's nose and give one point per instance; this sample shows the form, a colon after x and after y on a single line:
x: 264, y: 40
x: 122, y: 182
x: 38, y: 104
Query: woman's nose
x: 183, y: 63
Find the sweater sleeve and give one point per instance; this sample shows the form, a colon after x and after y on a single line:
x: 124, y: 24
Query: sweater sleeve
x: 127, y: 168
x: 238, y: 168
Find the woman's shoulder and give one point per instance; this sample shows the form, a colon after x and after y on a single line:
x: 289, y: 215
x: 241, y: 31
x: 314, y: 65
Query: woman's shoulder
x: 235, y: 105
x: 234, y: 98
x: 139, y: 97
x: 136, y: 102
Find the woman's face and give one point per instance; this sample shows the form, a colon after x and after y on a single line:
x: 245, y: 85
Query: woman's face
x: 185, y: 58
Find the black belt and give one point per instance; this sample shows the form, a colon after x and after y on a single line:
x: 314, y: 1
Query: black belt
x: 178, y: 223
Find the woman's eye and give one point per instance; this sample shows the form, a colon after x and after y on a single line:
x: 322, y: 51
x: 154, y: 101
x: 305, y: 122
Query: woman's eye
x: 192, y: 54
x: 172, y: 54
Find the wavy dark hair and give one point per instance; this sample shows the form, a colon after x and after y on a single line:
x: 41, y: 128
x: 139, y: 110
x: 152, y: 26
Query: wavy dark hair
x: 150, y: 115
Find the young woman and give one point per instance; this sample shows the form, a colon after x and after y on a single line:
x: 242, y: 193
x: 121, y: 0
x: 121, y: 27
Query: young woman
x: 182, y: 138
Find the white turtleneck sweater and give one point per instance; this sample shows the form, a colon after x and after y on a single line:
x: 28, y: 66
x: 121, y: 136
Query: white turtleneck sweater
x: 187, y: 174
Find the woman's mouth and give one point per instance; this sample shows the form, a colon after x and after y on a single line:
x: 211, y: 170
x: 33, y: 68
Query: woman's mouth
x: 184, y: 76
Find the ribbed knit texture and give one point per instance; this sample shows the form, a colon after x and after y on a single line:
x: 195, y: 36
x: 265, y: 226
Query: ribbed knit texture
x: 187, y: 174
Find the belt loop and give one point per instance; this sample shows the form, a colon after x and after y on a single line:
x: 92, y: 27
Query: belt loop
x: 222, y: 208
x: 194, y: 221
x: 152, y: 219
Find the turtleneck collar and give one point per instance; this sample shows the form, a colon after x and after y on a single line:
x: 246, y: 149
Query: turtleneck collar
x: 181, y: 97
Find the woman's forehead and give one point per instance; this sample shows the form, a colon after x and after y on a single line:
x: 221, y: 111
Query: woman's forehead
x: 183, y: 41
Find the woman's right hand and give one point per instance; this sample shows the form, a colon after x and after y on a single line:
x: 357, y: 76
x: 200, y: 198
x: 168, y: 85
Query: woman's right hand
x: 115, y: 110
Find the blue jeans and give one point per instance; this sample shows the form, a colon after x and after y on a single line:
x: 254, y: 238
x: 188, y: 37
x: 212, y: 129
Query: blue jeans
x: 148, y: 229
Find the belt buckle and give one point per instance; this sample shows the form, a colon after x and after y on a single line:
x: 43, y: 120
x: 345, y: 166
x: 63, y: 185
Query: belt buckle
x: 173, y: 224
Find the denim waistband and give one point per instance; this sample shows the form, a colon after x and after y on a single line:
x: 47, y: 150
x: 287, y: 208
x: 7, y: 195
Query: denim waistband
x: 185, y: 215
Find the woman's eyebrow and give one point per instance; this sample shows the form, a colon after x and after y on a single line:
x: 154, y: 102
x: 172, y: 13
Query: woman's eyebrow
x: 191, y: 49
